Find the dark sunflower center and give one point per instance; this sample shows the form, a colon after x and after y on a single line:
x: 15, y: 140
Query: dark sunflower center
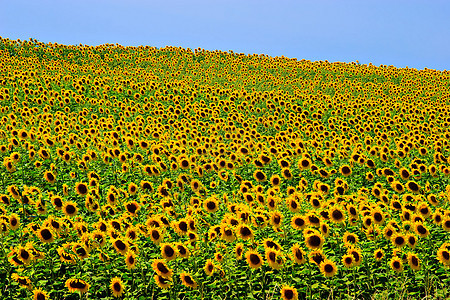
x: 254, y: 259
x: 314, y: 241
x: 421, y: 229
x: 289, y: 294
x: 337, y: 215
x: 40, y: 296
x: 121, y: 245
x: 272, y: 256
x: 117, y: 287
x: 70, y: 209
x: 245, y: 231
x: 169, y: 251
x: 46, y: 234
x: 328, y: 268
x: 446, y: 255
x: 82, y: 189
x: 24, y: 254
x: 211, y: 205
x: 378, y: 217
x: 299, y: 222
x: 131, y: 208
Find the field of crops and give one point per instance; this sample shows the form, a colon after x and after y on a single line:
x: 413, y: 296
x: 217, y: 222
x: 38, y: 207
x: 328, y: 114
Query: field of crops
x: 172, y: 173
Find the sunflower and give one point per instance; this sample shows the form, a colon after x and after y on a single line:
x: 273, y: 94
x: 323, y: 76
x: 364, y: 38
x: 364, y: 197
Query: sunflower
x: 187, y: 280
x: 289, y: 293
x: 413, y: 261
x: 254, y: 259
x: 45, y: 235
x: 412, y: 186
x: 298, y: 222
x: 81, y: 188
x: 24, y: 255
x: 132, y: 207
x: 345, y: 170
x: 99, y: 238
x: 121, y: 246
x: 238, y: 250
x: 181, y: 227
x: 209, y: 267
x: 293, y: 204
x: 117, y: 287
x: 378, y: 216
x: 80, y: 250
x: 424, y: 209
x: 347, y: 260
x: 130, y: 260
x: 211, y: 204
x: 314, y: 240
x: 443, y: 255
x: 316, y: 257
x: 298, y: 255
x: 50, y: 177
x: 304, y: 163
x: 398, y: 240
x: 275, y: 180
x: 378, y: 254
x: 259, y: 176
x: 357, y: 256
x: 420, y: 229
x: 328, y: 268
x: 313, y: 220
x: 276, y: 219
x: 274, y: 258
x: 77, y: 285
x: 398, y: 187
x: 162, y: 282
x: 70, y: 208
x: 286, y: 173
x: 350, y: 238
x: 39, y: 294
x: 168, y: 251
x: 227, y: 233
x: 14, y: 221
x: 161, y: 268
x: 183, y: 251
x: 23, y: 281
x: 446, y: 223
x: 367, y: 221
x: 244, y: 232
x: 156, y: 235
x: 388, y: 231
x: 337, y: 215
x: 396, y: 264
x: 14, y: 192
x: 260, y: 220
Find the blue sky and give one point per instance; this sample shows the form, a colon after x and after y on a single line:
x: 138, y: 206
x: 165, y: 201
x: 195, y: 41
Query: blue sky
x: 400, y: 33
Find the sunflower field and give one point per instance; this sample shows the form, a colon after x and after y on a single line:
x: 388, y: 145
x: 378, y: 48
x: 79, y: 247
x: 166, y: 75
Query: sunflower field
x: 172, y: 173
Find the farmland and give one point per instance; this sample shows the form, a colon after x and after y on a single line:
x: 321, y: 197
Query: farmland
x: 169, y: 173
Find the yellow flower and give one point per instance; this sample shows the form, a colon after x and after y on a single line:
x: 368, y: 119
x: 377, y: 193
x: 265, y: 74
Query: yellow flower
x: 117, y: 287
x: 130, y: 260
x: 289, y: 293
x: 77, y: 285
x: 328, y: 268
x: 187, y: 280
x: 254, y: 259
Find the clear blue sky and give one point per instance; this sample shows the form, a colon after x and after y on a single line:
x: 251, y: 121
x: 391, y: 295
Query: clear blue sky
x: 400, y: 33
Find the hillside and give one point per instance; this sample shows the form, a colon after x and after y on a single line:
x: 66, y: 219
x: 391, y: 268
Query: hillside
x: 172, y: 172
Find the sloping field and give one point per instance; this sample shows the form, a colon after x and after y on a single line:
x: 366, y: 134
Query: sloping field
x: 139, y: 172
